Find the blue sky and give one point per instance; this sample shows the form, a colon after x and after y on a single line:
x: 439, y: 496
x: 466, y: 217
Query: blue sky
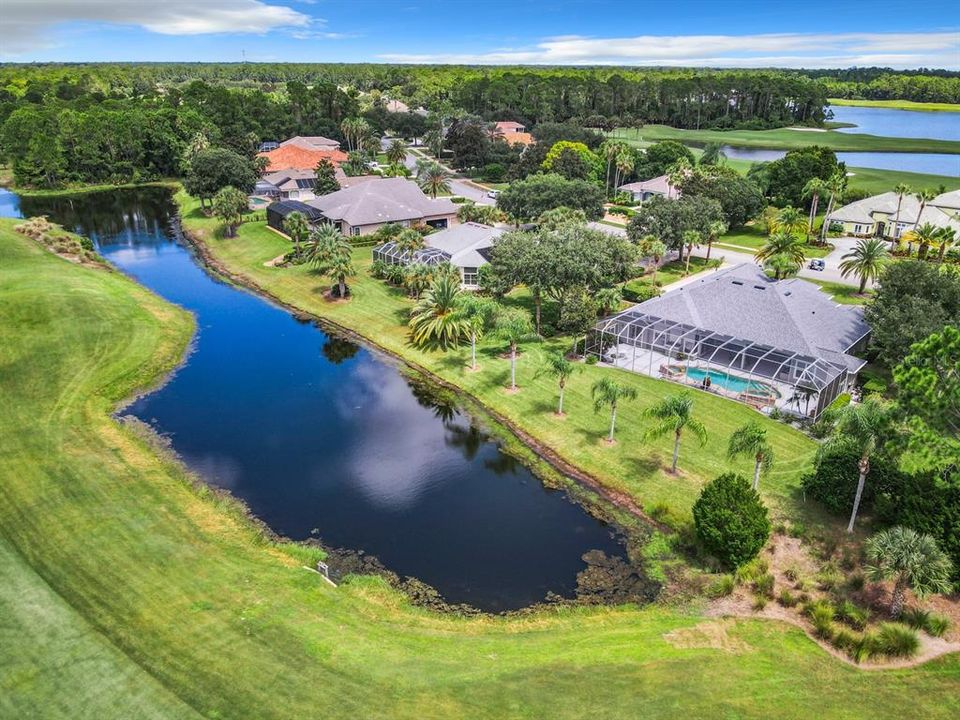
x: 800, y: 33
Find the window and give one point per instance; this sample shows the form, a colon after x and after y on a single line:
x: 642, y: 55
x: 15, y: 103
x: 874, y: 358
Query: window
x: 355, y: 231
x: 471, y: 276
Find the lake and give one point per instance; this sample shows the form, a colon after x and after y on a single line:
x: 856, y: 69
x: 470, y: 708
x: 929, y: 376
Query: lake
x: 326, y: 439
x: 931, y: 163
x: 898, y: 123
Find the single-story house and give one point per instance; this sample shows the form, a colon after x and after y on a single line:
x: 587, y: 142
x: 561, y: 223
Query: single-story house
x: 878, y: 216
x: 312, y: 142
x: 295, y: 157
x: 289, y: 184
x: 396, y: 106
x: 277, y: 212
x: 646, y: 189
x: 465, y: 246
x: 362, y: 208
x: 781, y: 344
x: 513, y: 133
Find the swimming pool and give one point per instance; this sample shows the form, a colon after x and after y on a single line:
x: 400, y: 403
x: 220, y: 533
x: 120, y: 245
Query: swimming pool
x: 732, y: 383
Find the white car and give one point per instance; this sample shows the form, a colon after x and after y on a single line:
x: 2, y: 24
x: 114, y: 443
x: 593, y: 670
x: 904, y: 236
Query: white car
x: 493, y: 194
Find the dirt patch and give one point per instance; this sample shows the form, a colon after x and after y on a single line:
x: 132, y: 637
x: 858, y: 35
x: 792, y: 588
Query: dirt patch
x: 710, y: 634
x: 276, y: 261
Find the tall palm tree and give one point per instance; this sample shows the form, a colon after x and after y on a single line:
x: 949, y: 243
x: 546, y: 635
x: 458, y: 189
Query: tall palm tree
x: 866, y: 260
x: 814, y: 188
x: 714, y: 231
x: 609, y: 151
x: 901, y: 189
x: 331, y: 254
x: 609, y: 299
x: 408, y: 241
x: 297, y: 228
x: 674, y: 415
x: 625, y: 162
x: 923, y: 197
x: 835, y: 186
x: 477, y: 312
x: 751, y: 439
x: 862, y: 426
x: 924, y: 235
x: 789, y: 220
x: 607, y: 393
x: 515, y: 326
x: 434, y: 179
x: 396, y: 152
x: 713, y: 154
x: 782, y: 252
x: 945, y: 240
x: 562, y: 369
x: 690, y: 238
x: 655, y: 248
x: 437, y: 319
x: 912, y: 560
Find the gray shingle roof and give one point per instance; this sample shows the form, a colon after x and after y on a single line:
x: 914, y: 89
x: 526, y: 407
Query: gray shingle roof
x: 381, y: 201
x: 743, y: 302
x: 464, y: 242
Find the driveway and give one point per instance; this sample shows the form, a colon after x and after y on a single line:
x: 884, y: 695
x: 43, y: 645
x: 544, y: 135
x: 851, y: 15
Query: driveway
x: 458, y: 185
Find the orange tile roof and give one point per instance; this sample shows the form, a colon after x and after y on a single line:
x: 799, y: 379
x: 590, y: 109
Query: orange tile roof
x: 518, y: 138
x: 293, y: 157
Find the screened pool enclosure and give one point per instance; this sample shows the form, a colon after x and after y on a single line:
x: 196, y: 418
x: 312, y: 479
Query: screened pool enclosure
x: 760, y: 375
x: 390, y: 254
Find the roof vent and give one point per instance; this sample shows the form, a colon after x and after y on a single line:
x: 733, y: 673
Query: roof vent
x: 759, y: 287
x: 737, y: 282
x: 788, y: 292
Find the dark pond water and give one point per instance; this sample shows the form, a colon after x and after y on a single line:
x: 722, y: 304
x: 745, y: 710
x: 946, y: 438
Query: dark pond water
x: 326, y: 439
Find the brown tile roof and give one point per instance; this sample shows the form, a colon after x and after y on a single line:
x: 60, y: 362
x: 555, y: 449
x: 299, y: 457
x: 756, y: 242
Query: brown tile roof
x: 518, y: 138
x: 294, y: 157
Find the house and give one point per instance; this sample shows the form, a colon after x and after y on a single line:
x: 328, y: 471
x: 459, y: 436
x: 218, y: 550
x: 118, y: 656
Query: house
x: 288, y: 185
x: 277, y: 212
x: 781, y: 344
x: 889, y: 215
x: 513, y: 133
x: 362, y: 208
x: 396, y: 106
x: 643, y: 191
x: 312, y: 142
x: 297, y: 157
x: 465, y: 246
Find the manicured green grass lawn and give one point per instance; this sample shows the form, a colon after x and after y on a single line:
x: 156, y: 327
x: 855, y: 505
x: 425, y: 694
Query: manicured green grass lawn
x: 753, y: 238
x: 126, y: 592
x: 675, y: 270
x: 898, y: 104
x: 786, y: 139
x: 634, y: 465
x: 844, y: 294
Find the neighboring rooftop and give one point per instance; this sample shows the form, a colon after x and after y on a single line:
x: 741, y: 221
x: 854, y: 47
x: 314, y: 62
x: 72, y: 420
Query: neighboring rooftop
x: 382, y: 200
x: 940, y: 211
x: 295, y: 157
x: 312, y: 142
x: 509, y: 126
x: 658, y: 185
x: 743, y: 302
x: 287, y: 180
x: 283, y: 208
x: 465, y: 243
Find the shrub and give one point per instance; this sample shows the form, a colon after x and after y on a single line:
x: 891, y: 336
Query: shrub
x: 792, y: 573
x: 919, y: 619
x: 855, y: 582
x: 937, y: 625
x: 852, y: 615
x: 821, y: 614
x: 722, y: 586
x: 750, y: 571
x: 763, y: 585
x: 759, y: 603
x: 787, y: 598
x: 494, y: 172
x: 635, y: 291
x: 834, y: 479
x: 896, y: 640
x: 865, y: 647
x: 731, y: 521
x: 846, y: 640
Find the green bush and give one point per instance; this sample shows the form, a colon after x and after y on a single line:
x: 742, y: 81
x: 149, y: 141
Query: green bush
x: 787, y: 598
x: 759, y: 603
x: 852, y: 615
x: 821, y: 614
x: 494, y: 172
x: 932, y: 624
x: 834, y: 479
x: 937, y: 625
x: 896, y: 640
x: 841, y: 401
x: 763, y: 585
x: 731, y: 521
x: 636, y: 291
x: 721, y: 587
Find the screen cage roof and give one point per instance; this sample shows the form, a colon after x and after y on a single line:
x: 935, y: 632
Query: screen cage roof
x: 670, y: 337
x: 389, y: 252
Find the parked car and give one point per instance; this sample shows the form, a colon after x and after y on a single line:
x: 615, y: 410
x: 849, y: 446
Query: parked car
x: 819, y: 265
x: 493, y: 194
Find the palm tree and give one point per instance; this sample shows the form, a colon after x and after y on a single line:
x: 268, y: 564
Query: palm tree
x: 924, y: 235
x: 945, y: 240
x: 690, y: 238
x: 751, y: 439
x: 789, y: 220
x: 609, y: 299
x: 417, y: 277
x: 923, y: 197
x: 297, y: 227
x: 515, y: 326
x: 862, y: 426
x: 655, y: 248
x: 396, y: 152
x: 477, y: 312
x: 912, y: 560
x: 408, y: 241
x: 562, y: 369
x: 625, y: 162
x: 814, y: 188
x: 354, y: 130
x: 835, y: 185
x: 609, y: 151
x: 434, y: 179
x: 713, y: 154
x: 714, y: 231
x: 331, y: 254
x: 866, y: 260
x: 901, y: 190
x: 782, y: 252
x: 674, y: 414
x: 606, y: 392
x: 437, y: 319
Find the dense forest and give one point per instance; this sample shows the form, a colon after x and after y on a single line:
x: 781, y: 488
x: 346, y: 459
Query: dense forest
x: 63, y: 123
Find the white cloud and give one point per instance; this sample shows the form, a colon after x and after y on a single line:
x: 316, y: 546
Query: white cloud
x: 26, y: 24
x: 900, y: 50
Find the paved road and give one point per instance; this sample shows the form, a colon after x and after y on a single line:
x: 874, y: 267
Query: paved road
x: 458, y: 185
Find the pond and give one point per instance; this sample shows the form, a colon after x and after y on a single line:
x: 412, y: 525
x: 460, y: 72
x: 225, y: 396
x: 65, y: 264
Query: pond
x: 888, y: 122
x: 931, y: 163
x: 326, y: 439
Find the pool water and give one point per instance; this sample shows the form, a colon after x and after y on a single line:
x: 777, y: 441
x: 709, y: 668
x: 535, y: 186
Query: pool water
x: 733, y: 383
